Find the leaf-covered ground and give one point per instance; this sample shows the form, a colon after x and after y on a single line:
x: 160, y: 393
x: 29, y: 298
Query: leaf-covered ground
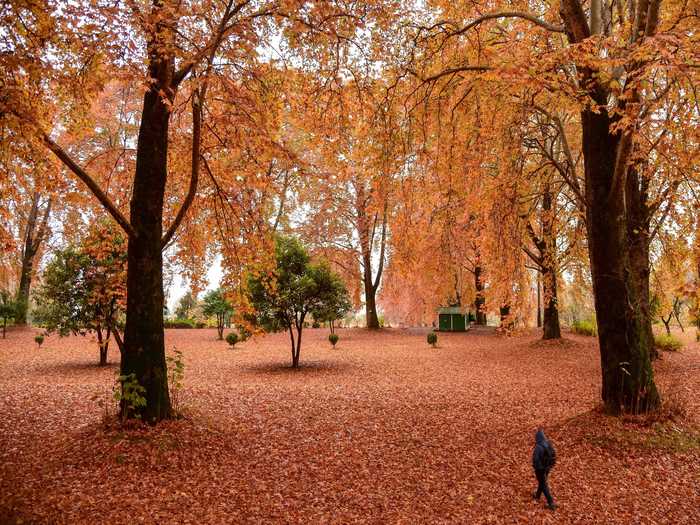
x: 383, y: 429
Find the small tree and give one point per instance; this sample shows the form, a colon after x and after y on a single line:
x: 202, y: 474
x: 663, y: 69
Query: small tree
x: 84, y: 288
x: 334, y: 305
x: 283, y: 299
x: 216, y: 305
x: 185, y: 306
x: 8, y: 309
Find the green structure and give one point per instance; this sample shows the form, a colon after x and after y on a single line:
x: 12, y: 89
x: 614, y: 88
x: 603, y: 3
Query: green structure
x: 453, y: 319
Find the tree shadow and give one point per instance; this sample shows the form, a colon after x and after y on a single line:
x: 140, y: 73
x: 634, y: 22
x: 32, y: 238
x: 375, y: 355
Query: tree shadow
x: 306, y: 368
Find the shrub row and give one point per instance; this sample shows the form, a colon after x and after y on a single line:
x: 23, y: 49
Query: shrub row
x: 183, y: 323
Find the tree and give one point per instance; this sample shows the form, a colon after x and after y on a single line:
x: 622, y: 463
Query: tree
x: 35, y: 233
x: 295, y: 289
x: 56, y: 66
x: 617, y: 67
x: 8, y: 309
x: 216, y: 304
x: 335, y: 303
x: 84, y: 287
x: 185, y: 305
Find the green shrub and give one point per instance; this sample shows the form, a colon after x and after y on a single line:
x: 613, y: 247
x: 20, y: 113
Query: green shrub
x: 200, y: 324
x: 667, y: 343
x: 589, y: 328
x: 432, y: 339
x: 178, y: 323
x: 232, y: 339
x: 129, y: 394
x: 333, y: 338
x: 39, y: 339
x: 243, y: 333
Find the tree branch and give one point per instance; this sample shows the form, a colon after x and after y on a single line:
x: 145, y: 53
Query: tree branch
x: 510, y: 14
x: 194, y: 178
x: 90, y: 183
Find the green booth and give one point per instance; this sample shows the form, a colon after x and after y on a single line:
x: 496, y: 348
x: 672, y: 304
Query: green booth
x: 453, y: 319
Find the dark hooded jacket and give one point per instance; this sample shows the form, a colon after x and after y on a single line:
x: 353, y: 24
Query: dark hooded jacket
x: 543, y: 455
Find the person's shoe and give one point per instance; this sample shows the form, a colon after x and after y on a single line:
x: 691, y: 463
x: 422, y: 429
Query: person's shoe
x: 552, y: 506
x: 534, y: 495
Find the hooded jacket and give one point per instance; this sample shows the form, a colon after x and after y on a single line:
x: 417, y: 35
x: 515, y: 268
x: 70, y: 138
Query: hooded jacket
x: 539, y: 455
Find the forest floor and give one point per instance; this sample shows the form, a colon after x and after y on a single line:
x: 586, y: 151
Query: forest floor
x: 382, y: 429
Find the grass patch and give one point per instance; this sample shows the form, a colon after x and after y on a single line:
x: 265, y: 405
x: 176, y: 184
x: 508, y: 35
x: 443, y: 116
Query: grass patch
x: 667, y: 343
x: 589, y: 328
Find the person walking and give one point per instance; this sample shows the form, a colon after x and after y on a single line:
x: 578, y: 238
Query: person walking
x: 544, y: 458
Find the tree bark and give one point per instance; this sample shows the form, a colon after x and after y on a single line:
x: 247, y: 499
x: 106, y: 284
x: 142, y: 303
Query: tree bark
x: 479, y: 300
x: 550, y: 325
x: 638, y: 226
x: 366, y: 235
x: 144, y: 344
x: 548, y: 258
x: 35, y: 233
x: 103, y: 345
x: 371, y: 308
x: 220, y: 325
x: 539, y: 302
x: 628, y: 378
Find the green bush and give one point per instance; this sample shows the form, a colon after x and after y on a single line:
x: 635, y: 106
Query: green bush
x: 232, y: 339
x: 432, y: 339
x: 39, y: 339
x: 333, y: 338
x: 179, y: 323
x: 200, y: 324
x: 589, y: 328
x: 667, y: 343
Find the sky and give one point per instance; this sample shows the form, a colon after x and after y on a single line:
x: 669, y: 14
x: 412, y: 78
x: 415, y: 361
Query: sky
x: 180, y: 286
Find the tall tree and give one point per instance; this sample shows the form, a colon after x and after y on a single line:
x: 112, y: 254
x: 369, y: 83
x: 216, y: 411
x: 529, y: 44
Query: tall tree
x: 610, y: 66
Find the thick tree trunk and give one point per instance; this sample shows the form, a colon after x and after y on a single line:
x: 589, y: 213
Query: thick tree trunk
x: 638, y: 223
x: 628, y: 378
x: 550, y: 325
x: 548, y: 257
x: 479, y: 300
x: 371, y: 307
x: 144, y: 345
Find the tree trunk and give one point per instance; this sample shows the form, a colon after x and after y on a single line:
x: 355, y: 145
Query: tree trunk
x: 539, y: 303
x: 295, y: 364
x: 550, y: 326
x: 548, y: 257
x: 479, y: 300
x: 34, y: 235
x: 144, y: 345
x: 103, y: 345
x: 628, y: 378
x: 638, y: 223
x: 220, y: 326
x: 667, y: 325
x: 371, y: 307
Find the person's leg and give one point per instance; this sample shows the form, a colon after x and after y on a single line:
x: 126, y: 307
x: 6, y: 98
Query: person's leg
x: 545, y: 489
x: 541, y: 483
